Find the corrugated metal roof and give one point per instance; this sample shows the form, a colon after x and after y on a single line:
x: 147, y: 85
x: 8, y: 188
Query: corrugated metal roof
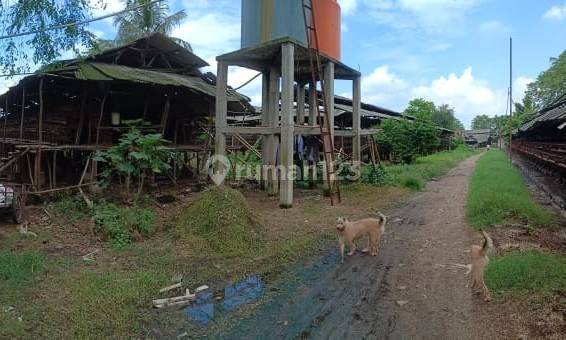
x: 556, y: 113
x: 108, y: 72
x: 164, y: 44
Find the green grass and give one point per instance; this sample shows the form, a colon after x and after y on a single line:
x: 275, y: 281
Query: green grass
x: 527, y: 272
x: 18, y: 268
x: 414, y: 176
x: 497, y: 194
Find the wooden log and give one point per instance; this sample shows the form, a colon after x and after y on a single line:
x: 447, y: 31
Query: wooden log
x: 169, y: 301
x: 171, y: 287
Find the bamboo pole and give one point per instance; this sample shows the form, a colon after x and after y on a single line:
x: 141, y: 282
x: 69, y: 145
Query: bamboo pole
x: 94, y: 162
x: 22, y: 112
x: 39, y: 136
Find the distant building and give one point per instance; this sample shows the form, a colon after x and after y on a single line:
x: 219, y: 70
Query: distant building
x: 478, y: 138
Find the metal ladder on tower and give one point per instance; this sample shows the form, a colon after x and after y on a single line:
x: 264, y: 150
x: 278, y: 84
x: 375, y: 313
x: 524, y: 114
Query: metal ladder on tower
x: 316, y: 73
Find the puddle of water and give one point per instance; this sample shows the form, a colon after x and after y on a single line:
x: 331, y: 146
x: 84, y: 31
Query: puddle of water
x: 235, y: 295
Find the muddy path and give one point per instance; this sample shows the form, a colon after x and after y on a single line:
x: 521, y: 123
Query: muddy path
x: 410, y: 290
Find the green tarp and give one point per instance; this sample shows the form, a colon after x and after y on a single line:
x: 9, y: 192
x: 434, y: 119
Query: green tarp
x: 108, y: 72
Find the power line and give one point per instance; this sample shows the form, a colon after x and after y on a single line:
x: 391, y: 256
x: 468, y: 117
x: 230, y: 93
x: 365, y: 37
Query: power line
x: 77, y: 23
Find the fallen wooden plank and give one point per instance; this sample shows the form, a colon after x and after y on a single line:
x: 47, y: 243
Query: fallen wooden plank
x: 171, y: 287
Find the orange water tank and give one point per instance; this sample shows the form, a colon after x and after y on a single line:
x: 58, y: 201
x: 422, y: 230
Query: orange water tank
x: 327, y: 20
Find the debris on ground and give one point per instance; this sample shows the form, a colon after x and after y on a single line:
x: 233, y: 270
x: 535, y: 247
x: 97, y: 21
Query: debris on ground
x: 90, y: 256
x: 23, y: 229
x: 171, y: 287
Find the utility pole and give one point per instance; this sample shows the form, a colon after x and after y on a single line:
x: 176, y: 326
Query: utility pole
x: 510, y: 94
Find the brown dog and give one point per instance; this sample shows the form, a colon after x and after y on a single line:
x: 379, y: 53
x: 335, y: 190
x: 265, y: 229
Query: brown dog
x: 348, y: 232
x: 479, y: 262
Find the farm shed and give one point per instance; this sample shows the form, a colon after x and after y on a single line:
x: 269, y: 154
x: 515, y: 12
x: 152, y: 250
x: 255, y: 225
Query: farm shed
x: 56, y: 119
x: 543, y: 138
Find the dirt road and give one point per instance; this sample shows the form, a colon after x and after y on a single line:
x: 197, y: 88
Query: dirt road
x: 410, y: 290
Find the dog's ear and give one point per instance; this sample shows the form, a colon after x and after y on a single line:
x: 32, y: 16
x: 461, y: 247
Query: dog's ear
x: 340, y: 220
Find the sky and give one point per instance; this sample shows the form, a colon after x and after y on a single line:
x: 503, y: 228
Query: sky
x: 453, y: 52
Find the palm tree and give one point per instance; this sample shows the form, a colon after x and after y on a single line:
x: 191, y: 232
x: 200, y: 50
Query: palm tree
x: 151, y: 18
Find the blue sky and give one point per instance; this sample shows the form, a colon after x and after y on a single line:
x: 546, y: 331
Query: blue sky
x: 448, y: 51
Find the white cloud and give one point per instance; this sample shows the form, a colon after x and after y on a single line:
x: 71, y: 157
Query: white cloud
x: 557, y: 12
x: 468, y: 95
x: 520, y: 86
x: 382, y: 87
x: 432, y: 15
x: 494, y: 27
x: 6, y: 83
x: 348, y: 6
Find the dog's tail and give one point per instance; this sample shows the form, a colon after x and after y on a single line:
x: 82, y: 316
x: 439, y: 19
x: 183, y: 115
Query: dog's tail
x: 487, y: 243
x: 382, y: 217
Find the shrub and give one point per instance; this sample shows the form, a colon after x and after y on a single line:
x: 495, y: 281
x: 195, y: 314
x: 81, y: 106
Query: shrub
x: 121, y: 225
x: 71, y: 208
x: 375, y: 174
x: 221, y: 217
x: 136, y: 157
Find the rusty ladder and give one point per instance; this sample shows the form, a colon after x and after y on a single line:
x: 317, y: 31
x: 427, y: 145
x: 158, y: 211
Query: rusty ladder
x: 316, y: 73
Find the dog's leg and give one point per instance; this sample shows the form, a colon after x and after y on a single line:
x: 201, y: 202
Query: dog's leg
x: 342, y: 246
x: 374, y: 243
x: 486, y: 294
x: 352, y: 248
x: 367, y: 249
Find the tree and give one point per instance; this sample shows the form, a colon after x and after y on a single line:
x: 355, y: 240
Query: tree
x: 550, y: 84
x: 44, y: 46
x: 406, y: 139
x: 481, y: 122
x: 421, y: 109
x: 444, y: 117
x: 151, y: 18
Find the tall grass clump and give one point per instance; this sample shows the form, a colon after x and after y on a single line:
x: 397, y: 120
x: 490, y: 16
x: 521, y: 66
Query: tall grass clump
x: 19, y: 267
x: 222, y: 218
x: 527, y: 272
x: 497, y: 195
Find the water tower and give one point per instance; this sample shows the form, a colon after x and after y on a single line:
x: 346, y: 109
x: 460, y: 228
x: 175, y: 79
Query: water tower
x: 274, y: 42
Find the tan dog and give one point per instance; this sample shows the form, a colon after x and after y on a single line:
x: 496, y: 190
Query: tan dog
x: 479, y: 262
x: 348, y: 232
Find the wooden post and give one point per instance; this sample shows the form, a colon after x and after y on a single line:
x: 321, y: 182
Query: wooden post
x: 221, y: 113
x: 54, y: 172
x: 165, y: 114
x: 273, y: 140
x: 313, y: 102
x: 287, y: 126
x: 329, y: 95
x: 356, y: 119
x: 81, y: 115
x: 264, y: 122
x: 301, y: 104
x: 94, y: 171
x: 37, y: 173
x: 22, y: 112
x: 6, y: 116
